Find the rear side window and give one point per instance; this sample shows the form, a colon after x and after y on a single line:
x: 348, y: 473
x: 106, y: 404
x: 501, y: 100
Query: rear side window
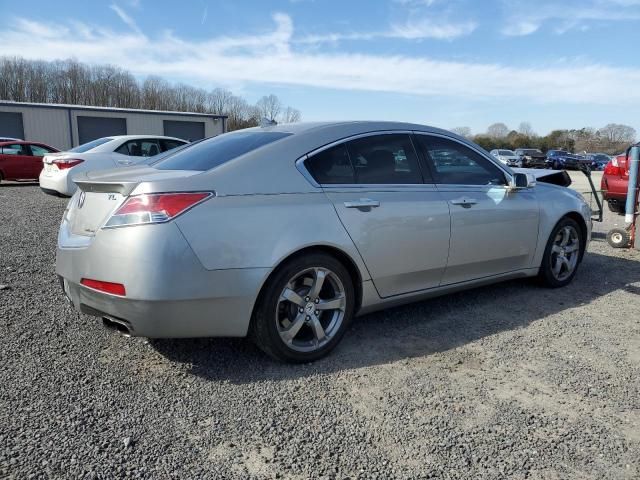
x: 455, y: 164
x: 332, y: 166
x: 218, y: 150
x: 381, y: 159
x: 139, y: 148
x: 39, y: 151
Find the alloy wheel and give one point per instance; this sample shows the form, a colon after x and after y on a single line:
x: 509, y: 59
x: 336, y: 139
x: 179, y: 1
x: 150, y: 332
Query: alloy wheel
x: 565, y: 252
x: 310, y: 309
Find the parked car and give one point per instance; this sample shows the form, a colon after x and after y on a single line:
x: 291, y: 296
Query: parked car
x: 286, y: 232
x: 21, y: 160
x: 104, y: 153
x: 597, y: 161
x: 615, y: 182
x: 507, y: 157
x: 562, y: 160
x: 530, y: 158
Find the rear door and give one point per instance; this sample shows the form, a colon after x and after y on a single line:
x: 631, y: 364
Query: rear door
x: 35, y: 163
x: 399, y: 224
x: 493, y: 230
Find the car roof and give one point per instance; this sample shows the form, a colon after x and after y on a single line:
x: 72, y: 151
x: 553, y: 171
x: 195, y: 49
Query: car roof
x: 23, y: 142
x: 136, y: 137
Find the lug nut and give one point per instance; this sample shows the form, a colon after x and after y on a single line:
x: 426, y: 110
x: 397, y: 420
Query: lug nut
x: 306, y: 299
x: 301, y: 310
x: 308, y: 317
x: 317, y: 300
x: 317, y: 312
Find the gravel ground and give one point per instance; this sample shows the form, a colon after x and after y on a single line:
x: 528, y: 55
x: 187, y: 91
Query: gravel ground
x: 507, y: 381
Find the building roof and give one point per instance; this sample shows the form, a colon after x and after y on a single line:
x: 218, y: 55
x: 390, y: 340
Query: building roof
x: 8, y: 103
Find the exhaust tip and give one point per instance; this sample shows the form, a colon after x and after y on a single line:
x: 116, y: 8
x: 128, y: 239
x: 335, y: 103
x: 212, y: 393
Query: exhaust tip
x: 118, y: 325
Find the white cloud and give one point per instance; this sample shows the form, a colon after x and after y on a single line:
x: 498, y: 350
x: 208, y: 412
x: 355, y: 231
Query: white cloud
x: 130, y: 22
x: 428, y: 28
x: 272, y: 58
x: 525, y: 17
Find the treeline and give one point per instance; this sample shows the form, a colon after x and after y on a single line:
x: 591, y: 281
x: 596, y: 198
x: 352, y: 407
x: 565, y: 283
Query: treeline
x: 76, y: 83
x: 610, y: 139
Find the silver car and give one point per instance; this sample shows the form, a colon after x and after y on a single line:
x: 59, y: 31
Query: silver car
x: 284, y: 233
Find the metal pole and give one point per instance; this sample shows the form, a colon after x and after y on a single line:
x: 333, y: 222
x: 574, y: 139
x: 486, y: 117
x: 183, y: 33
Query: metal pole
x: 634, y: 162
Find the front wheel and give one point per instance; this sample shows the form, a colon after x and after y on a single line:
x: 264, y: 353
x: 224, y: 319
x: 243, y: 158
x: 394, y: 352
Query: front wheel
x: 562, y: 254
x: 305, y: 309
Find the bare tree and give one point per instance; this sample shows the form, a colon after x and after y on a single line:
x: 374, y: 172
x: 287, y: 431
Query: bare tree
x: 462, y: 131
x: 291, y: 115
x: 498, y: 130
x: 526, y: 129
x: 72, y: 82
x: 269, y: 107
x: 617, y: 133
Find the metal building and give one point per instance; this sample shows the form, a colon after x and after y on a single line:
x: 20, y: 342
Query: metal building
x: 65, y: 126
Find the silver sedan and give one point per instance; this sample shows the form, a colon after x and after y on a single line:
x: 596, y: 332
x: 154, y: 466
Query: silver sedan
x: 285, y: 233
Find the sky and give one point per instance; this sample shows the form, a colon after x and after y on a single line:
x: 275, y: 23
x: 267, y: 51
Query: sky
x: 446, y: 63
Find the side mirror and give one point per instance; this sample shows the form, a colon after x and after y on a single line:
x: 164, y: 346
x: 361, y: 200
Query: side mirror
x: 520, y: 181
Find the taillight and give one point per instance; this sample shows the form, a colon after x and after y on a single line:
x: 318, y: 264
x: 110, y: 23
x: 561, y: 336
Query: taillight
x: 64, y: 163
x: 612, y: 168
x: 106, y: 287
x: 155, y: 208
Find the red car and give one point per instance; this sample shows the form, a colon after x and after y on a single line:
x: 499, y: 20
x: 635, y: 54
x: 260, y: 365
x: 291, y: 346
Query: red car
x: 21, y: 160
x: 615, y: 181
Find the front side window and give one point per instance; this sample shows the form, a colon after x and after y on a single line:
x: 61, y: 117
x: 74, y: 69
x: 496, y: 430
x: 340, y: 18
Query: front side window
x: 17, y: 149
x: 215, y: 151
x: 455, y: 164
x: 170, y: 144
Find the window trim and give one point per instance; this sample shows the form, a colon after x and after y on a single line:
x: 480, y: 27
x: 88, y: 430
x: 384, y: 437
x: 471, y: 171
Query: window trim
x: 508, y: 174
x: 300, y: 163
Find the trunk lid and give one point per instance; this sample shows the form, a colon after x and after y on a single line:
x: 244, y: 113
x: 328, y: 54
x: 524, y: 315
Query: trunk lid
x: 100, y: 193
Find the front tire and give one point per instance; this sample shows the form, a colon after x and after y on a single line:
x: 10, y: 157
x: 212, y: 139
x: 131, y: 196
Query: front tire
x: 562, y: 254
x: 305, y: 309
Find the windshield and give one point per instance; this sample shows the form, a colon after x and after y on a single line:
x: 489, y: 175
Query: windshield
x: 85, y: 147
x: 530, y: 151
x: 218, y: 150
x: 506, y: 152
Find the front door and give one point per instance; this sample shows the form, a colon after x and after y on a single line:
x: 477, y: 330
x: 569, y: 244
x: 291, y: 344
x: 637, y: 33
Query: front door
x: 493, y: 230
x: 16, y: 161
x: 399, y: 224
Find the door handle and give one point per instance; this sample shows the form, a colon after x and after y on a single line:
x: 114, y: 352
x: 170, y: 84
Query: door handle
x: 362, y: 203
x: 464, y: 202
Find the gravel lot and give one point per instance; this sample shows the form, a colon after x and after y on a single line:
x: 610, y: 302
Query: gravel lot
x: 511, y: 380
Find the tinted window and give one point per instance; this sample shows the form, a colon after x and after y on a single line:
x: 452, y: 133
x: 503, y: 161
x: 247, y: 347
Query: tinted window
x: 39, y: 151
x: 139, y: 148
x: 218, y: 150
x: 17, y: 149
x: 85, y: 147
x: 170, y: 144
x: 506, y: 152
x: 331, y: 166
x: 456, y: 164
x: 383, y: 159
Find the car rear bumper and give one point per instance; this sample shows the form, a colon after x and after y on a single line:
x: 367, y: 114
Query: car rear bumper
x: 614, y: 188
x: 169, y: 294
x: 56, y: 183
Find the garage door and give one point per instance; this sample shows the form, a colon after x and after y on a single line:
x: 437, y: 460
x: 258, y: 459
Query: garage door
x: 186, y: 130
x: 90, y: 128
x: 11, y: 125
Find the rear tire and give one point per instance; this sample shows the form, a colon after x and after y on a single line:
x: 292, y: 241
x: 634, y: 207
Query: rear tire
x: 616, y: 207
x: 562, y: 254
x: 618, y: 238
x: 304, y: 309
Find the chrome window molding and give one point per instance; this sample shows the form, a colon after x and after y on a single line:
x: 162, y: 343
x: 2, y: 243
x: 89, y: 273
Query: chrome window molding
x: 303, y: 169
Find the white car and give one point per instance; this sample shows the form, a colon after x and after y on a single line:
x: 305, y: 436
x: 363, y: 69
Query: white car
x: 100, y: 154
x: 507, y: 157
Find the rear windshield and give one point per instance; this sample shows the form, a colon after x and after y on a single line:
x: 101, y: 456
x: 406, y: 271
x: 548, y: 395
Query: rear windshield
x: 530, y: 151
x: 85, y: 147
x: 218, y: 150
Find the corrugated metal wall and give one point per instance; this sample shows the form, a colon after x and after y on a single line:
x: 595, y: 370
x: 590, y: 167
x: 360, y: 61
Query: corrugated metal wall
x: 51, y: 125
